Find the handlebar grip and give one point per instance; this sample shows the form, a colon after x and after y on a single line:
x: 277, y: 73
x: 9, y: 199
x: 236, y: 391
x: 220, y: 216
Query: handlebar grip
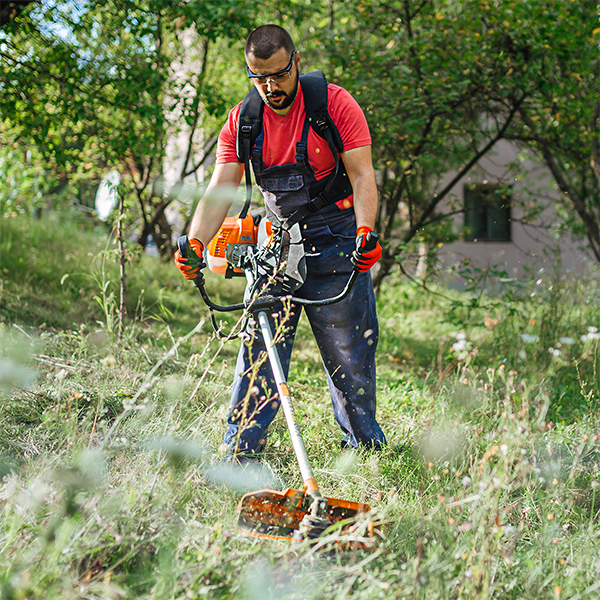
x: 183, y: 245
x: 371, y: 241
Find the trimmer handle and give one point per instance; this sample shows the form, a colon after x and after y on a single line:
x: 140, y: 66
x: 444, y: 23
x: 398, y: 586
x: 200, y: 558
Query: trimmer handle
x: 184, y: 248
x: 183, y: 245
x: 371, y: 241
x: 268, y: 301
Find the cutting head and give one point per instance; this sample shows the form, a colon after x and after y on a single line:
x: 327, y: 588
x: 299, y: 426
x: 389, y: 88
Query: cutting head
x: 278, y: 515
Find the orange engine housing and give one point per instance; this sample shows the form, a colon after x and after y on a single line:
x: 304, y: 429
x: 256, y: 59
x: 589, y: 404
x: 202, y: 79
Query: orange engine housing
x: 233, y: 231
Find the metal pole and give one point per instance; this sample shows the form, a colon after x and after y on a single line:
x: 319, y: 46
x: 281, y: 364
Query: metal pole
x: 288, y: 409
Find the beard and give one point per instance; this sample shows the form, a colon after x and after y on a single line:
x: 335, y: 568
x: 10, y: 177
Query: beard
x: 288, y: 99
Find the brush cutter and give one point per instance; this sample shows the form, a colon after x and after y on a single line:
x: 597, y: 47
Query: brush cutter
x: 288, y: 514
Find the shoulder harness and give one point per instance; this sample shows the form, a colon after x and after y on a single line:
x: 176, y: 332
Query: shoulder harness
x: 333, y: 188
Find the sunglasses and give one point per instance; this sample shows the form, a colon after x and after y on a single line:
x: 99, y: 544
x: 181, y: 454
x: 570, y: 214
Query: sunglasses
x: 277, y: 77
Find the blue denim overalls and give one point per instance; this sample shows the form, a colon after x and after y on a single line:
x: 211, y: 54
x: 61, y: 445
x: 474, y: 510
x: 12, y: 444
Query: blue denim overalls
x: 346, y: 332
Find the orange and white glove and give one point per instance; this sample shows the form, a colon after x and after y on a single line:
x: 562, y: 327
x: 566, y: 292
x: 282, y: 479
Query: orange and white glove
x: 194, y: 262
x: 368, y: 250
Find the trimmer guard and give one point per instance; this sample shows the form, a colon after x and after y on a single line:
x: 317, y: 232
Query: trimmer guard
x: 273, y: 514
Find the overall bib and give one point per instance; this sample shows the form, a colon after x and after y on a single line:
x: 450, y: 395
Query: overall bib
x: 346, y: 332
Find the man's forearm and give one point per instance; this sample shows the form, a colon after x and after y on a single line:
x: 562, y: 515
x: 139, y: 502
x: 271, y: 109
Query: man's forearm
x: 210, y: 213
x: 216, y: 202
x: 359, y: 167
x: 366, y: 200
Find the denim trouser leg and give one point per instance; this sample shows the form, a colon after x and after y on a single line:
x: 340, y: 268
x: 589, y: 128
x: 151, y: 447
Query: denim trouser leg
x: 346, y: 333
x: 254, y: 401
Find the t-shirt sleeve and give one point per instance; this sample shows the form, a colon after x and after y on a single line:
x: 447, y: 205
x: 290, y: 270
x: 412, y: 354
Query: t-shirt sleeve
x: 226, y: 146
x: 348, y: 117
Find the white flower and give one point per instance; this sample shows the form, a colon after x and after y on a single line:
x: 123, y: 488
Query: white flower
x: 529, y: 338
x: 593, y: 335
x: 459, y: 345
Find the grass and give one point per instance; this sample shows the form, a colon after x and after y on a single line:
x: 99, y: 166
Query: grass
x: 112, y: 485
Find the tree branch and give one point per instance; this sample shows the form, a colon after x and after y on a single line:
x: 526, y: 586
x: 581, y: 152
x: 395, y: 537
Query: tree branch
x: 466, y: 168
x: 205, y: 154
x: 593, y: 233
x: 595, y: 160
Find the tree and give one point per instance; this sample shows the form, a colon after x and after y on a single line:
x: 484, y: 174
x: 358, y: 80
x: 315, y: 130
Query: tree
x: 92, y: 86
x: 11, y: 9
x: 442, y: 81
x: 559, y: 122
x: 95, y: 86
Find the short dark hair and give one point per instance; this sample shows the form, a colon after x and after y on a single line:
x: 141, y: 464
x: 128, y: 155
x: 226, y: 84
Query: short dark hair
x: 266, y: 40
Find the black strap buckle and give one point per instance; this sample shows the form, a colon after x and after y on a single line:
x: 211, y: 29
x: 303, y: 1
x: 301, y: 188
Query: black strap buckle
x: 321, y: 122
x: 317, y: 204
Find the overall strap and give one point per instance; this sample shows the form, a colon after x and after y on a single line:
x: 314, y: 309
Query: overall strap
x: 302, y: 147
x: 314, y: 89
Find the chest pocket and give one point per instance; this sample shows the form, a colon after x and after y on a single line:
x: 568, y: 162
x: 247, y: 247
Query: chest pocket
x: 283, y: 183
x: 284, y: 190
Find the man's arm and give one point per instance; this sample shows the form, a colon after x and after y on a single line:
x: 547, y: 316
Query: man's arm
x: 214, y: 205
x: 359, y: 166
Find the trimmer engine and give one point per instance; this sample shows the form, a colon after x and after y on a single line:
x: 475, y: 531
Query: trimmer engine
x: 278, y: 252
x: 233, y: 234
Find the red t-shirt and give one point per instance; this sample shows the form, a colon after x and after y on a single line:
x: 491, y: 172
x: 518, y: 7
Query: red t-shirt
x: 281, y: 134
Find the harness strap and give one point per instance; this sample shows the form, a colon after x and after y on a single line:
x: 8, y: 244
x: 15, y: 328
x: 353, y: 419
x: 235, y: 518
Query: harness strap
x: 250, y: 126
x: 314, y: 90
x: 323, y: 198
x: 247, y: 176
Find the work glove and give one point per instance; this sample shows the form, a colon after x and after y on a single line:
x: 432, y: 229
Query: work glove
x: 368, y: 249
x: 191, y: 266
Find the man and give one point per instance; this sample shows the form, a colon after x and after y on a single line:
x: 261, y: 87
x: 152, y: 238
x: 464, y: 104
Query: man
x: 346, y: 332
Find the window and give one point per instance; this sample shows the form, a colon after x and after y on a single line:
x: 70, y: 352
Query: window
x: 487, y: 212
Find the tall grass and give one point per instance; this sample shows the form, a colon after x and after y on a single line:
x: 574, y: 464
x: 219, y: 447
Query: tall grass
x: 112, y: 481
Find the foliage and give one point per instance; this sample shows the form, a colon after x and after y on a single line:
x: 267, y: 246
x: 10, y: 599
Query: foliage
x: 25, y: 181
x: 442, y: 81
x: 109, y: 454
x: 559, y: 122
x: 62, y: 269
x: 92, y: 88
x: 38, y: 287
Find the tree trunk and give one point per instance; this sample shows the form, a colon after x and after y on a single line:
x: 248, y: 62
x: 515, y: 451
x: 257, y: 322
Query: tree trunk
x: 596, y: 144
x: 122, y: 263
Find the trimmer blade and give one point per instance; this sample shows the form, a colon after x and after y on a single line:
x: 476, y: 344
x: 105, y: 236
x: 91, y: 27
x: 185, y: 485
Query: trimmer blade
x: 273, y: 514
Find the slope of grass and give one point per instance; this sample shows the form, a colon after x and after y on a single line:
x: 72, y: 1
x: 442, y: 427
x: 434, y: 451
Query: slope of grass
x: 112, y: 481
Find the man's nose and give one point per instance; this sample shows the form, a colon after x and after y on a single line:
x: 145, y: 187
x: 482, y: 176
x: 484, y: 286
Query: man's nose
x: 271, y: 85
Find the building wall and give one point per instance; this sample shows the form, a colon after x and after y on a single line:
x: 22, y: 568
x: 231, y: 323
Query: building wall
x: 533, y: 245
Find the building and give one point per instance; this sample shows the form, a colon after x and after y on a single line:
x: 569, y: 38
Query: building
x: 508, y: 222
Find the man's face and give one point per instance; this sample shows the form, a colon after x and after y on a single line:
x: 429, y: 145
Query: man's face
x: 280, y: 91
